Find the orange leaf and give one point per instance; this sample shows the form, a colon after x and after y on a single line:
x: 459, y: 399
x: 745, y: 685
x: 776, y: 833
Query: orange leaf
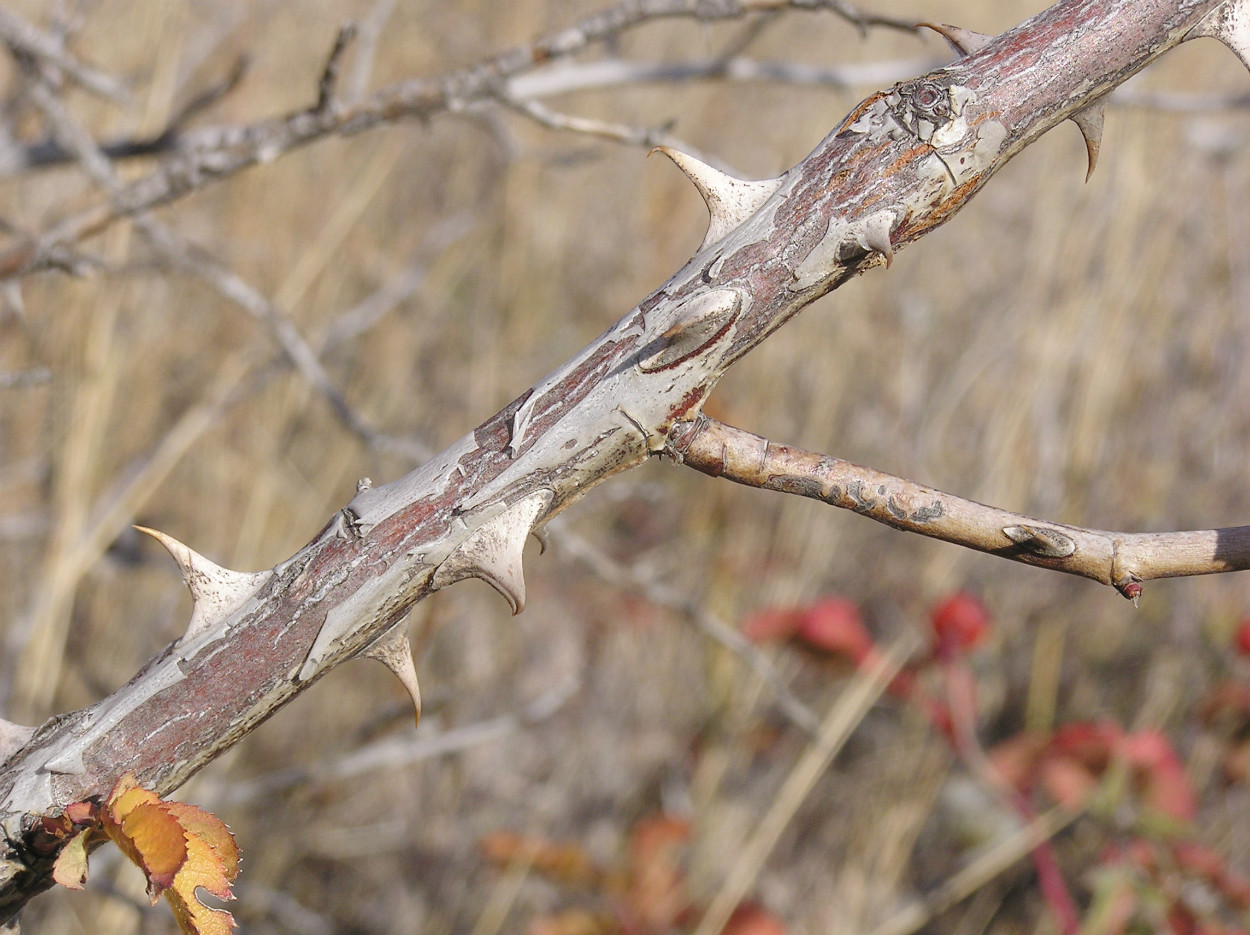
x: 152, y: 837
x: 179, y: 848
x: 212, y: 831
x: 203, y: 868
x: 561, y: 861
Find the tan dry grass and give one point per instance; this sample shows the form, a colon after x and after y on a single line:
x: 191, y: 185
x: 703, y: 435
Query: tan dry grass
x: 1079, y: 351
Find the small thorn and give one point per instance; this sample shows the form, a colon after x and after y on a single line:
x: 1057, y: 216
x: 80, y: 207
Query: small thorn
x: 215, y: 591
x: 1230, y: 23
x: 1089, y: 121
x: 492, y: 552
x: 12, y: 738
x: 962, y: 41
x: 1041, y: 541
x: 730, y: 201
x: 393, y: 651
x: 874, y: 233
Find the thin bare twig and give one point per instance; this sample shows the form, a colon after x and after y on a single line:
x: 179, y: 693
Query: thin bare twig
x: 237, y: 148
x: 28, y: 41
x: 1122, y: 560
x: 713, y: 626
x: 648, y: 137
x: 327, y: 87
x: 401, y: 750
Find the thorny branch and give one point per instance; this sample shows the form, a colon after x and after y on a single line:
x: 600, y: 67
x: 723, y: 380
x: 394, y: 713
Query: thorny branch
x: 1122, y: 560
x: 213, y: 155
x: 902, y: 163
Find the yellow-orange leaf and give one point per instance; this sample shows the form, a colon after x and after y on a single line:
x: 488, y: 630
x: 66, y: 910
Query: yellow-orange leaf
x: 151, y: 836
x: 210, y: 829
x: 202, y: 868
x: 179, y: 848
x: 70, y: 868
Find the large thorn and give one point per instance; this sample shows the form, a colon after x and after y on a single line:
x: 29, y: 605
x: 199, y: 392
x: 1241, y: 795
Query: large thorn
x: 730, y: 201
x: 12, y: 738
x: 492, y: 552
x: 1089, y: 121
x: 215, y: 591
x: 1230, y: 23
x: 962, y: 41
x: 392, y: 650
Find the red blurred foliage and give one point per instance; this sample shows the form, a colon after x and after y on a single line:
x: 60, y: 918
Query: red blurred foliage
x: 1241, y: 639
x: 833, y: 626
x: 960, y: 622
x: 750, y: 919
x: 645, y: 893
x: 1070, y: 763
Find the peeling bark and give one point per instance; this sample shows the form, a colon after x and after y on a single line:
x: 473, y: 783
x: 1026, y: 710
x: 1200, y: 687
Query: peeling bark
x: 901, y: 163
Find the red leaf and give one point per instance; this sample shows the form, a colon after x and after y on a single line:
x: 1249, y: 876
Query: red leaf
x: 752, y: 919
x: 960, y: 622
x: 1160, y: 774
x: 771, y: 624
x: 1241, y: 640
x: 834, y: 626
x: 1090, y: 743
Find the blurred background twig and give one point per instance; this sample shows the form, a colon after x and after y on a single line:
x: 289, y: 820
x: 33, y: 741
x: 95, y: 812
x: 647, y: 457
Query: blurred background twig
x: 1080, y: 352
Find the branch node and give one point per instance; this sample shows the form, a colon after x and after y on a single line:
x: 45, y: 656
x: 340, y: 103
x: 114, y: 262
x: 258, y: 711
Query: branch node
x: 328, y: 85
x: 1131, y: 587
x: 1041, y: 541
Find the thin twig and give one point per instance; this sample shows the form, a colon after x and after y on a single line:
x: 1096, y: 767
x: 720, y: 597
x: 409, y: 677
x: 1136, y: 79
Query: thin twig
x: 1122, y: 560
x: 838, y: 725
x: 713, y: 626
x: 648, y: 138
x: 26, y: 40
x: 401, y: 750
x: 327, y: 87
x: 237, y: 148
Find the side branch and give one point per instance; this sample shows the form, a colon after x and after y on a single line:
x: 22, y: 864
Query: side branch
x: 1122, y: 560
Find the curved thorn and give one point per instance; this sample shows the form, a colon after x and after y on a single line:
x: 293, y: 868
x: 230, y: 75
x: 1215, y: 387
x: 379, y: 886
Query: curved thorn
x: 962, y: 41
x: 492, y: 552
x: 874, y: 233
x: 215, y: 591
x: 1089, y: 121
x: 730, y: 201
x: 392, y: 650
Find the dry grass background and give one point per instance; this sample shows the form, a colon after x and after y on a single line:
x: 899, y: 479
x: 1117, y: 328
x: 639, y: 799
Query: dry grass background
x: 1077, y: 351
